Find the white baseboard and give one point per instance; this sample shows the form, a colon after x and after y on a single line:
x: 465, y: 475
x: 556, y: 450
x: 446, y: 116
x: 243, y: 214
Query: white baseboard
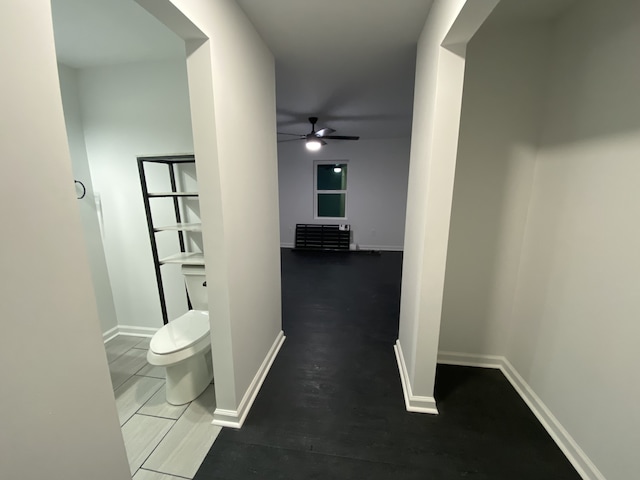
x: 470, y: 360
x: 413, y: 403
x: 129, y: 330
x: 235, y: 418
x: 109, y: 334
x: 134, y: 331
x: 578, y: 458
x: 384, y: 248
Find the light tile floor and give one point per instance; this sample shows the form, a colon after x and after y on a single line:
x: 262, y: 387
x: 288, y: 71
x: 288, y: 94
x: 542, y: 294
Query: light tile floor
x: 163, y: 441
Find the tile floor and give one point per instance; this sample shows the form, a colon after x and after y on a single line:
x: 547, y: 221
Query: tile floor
x: 163, y: 441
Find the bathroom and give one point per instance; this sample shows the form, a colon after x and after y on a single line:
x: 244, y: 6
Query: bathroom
x: 125, y: 96
x: 72, y: 409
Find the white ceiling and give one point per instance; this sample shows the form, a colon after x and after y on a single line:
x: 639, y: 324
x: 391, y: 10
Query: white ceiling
x: 92, y: 33
x: 349, y: 62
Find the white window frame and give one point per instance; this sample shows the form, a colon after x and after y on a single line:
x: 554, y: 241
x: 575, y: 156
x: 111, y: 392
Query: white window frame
x: 316, y: 192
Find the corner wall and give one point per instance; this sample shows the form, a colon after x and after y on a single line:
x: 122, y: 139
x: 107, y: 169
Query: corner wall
x: 376, y: 189
x: 436, y: 118
x: 130, y: 110
x: 90, y: 207
x: 575, y: 320
x: 553, y: 286
x: 59, y: 418
x: 505, y: 80
x: 232, y: 88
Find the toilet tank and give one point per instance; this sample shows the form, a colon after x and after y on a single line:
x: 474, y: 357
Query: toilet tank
x: 195, y: 279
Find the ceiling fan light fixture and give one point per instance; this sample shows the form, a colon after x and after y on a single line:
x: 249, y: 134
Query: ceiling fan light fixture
x: 314, y: 140
x: 337, y: 169
x: 313, y: 144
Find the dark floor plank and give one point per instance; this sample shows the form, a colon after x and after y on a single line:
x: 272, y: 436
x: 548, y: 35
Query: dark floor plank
x: 241, y: 461
x: 332, y: 404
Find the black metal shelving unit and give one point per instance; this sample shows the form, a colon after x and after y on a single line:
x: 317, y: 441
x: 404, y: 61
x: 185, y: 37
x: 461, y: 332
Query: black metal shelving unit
x: 184, y: 257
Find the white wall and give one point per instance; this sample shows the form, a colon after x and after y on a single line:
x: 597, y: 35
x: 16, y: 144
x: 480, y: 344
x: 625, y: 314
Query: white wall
x: 552, y: 283
x: 376, y: 189
x: 505, y: 78
x: 130, y: 110
x: 439, y: 21
x: 58, y: 412
x: 576, y: 310
x: 89, y: 205
x: 232, y: 89
x: 436, y: 117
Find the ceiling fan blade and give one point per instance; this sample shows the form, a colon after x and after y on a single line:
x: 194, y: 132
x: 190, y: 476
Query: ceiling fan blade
x: 290, y: 140
x: 292, y: 134
x: 324, y: 132
x: 341, y: 137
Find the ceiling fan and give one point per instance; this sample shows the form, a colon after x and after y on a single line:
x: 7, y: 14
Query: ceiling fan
x: 315, y: 139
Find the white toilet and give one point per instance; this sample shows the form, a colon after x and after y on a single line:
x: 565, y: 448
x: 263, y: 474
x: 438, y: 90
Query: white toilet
x: 183, y: 345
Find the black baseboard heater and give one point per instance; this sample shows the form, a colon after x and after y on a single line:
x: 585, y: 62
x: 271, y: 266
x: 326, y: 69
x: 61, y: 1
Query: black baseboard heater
x: 322, y: 237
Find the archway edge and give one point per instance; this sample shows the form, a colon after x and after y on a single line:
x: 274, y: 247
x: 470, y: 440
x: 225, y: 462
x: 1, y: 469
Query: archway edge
x: 439, y: 84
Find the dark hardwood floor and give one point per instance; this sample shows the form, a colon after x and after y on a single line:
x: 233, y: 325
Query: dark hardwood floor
x: 332, y: 404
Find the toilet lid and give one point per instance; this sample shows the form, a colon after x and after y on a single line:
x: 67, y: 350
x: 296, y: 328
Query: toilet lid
x: 181, y: 333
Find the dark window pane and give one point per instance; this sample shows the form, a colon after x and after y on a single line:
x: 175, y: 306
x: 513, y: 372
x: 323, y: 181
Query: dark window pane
x: 332, y: 177
x: 331, y: 204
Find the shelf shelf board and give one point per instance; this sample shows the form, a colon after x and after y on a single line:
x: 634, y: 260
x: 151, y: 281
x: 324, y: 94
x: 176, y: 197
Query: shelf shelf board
x: 184, y: 258
x: 181, y: 227
x: 173, y: 194
x: 183, y: 158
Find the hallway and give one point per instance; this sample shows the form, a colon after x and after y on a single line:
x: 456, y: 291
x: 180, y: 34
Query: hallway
x: 332, y: 404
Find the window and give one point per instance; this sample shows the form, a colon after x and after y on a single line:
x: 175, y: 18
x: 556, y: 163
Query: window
x: 330, y: 189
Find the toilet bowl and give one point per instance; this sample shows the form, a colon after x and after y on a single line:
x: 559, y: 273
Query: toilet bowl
x: 183, y: 346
